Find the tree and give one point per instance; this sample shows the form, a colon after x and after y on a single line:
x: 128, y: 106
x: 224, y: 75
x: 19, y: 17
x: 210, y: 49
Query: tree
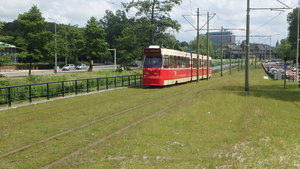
x: 70, y: 42
x: 203, y: 45
x: 130, y: 44
x: 157, y: 14
x: 292, y: 19
x: 114, y: 24
x: 284, y: 49
x: 169, y: 41
x: 33, y: 40
x: 95, y: 45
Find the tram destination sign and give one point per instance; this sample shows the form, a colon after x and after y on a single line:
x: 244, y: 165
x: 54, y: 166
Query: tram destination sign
x: 152, y: 51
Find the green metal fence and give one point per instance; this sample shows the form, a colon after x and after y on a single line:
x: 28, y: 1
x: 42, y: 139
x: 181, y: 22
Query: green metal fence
x: 48, y: 90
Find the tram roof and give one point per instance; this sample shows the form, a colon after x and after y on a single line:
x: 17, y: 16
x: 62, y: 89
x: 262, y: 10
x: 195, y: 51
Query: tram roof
x: 172, y: 52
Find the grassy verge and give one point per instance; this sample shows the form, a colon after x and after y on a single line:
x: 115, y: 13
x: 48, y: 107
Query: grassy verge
x: 217, y: 127
x: 221, y: 128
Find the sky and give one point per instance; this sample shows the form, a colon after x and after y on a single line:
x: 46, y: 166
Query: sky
x: 266, y: 25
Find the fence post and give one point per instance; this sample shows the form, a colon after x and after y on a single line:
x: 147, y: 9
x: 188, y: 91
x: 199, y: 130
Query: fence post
x: 122, y: 81
x: 98, y: 88
x: 141, y: 78
x: 48, y: 91
x: 87, y: 85
x: 30, y: 94
x: 76, y: 92
x: 129, y: 83
x: 63, y: 89
x: 107, y: 83
x: 115, y: 82
x: 9, y: 97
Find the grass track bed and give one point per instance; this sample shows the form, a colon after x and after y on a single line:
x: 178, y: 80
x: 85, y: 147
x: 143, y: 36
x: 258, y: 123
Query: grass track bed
x: 206, y: 125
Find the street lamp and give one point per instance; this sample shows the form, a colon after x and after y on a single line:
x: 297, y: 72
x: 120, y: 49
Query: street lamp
x: 55, y: 60
x: 115, y: 57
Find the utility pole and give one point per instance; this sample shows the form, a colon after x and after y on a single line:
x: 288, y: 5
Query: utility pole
x: 247, y: 49
x: 221, y: 51
x: 207, y: 44
x: 198, y: 48
x: 198, y: 41
x: 247, y: 38
x: 222, y: 30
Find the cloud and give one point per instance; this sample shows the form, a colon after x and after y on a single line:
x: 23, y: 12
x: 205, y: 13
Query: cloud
x: 229, y: 14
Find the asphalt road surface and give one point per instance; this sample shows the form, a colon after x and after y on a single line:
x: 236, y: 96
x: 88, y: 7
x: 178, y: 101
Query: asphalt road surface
x: 18, y: 73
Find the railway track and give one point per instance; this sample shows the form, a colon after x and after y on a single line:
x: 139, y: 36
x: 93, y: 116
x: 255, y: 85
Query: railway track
x: 40, y: 112
x: 189, y: 93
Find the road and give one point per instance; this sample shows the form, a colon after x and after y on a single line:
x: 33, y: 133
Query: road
x: 277, y: 66
x: 19, y: 73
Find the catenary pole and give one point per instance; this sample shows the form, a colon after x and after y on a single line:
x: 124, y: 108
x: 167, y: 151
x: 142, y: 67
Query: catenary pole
x: 247, y: 48
x: 198, y: 48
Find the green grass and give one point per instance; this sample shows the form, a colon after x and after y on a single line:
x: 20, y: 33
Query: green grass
x: 217, y: 127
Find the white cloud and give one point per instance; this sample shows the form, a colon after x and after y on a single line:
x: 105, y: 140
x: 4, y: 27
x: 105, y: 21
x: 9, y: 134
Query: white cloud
x: 229, y: 14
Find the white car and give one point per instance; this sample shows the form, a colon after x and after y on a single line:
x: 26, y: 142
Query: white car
x: 68, y: 67
x: 81, y: 66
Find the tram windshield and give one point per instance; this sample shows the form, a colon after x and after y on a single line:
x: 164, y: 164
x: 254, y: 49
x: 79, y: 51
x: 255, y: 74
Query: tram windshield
x: 153, y: 62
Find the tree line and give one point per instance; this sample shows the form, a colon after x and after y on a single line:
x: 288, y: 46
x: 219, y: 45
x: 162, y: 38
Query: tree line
x: 39, y: 40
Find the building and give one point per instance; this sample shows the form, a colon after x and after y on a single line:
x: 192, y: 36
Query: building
x: 226, y: 36
x: 260, y: 51
x: 7, y: 49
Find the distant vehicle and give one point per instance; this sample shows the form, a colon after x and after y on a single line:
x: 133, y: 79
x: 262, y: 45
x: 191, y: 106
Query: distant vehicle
x: 269, y: 67
x: 285, y: 74
x: 134, y: 64
x: 277, y: 62
x: 68, y: 67
x: 81, y: 66
x: 272, y: 69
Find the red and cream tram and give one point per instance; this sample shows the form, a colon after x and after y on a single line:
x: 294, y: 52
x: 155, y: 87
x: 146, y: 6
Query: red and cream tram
x: 168, y: 66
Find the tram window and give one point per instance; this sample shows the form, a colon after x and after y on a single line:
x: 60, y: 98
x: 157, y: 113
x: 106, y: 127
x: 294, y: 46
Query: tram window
x: 187, y: 63
x: 195, y: 63
x: 153, y: 62
x: 178, y: 62
x: 166, y: 61
x: 172, y: 62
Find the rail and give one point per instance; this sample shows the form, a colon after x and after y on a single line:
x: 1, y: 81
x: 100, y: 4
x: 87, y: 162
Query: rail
x: 10, y: 94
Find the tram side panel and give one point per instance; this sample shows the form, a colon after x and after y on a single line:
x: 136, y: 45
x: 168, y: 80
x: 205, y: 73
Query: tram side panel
x: 161, y: 77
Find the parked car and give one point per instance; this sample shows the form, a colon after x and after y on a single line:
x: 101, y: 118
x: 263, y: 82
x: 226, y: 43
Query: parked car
x: 81, y: 66
x: 285, y: 74
x: 68, y: 67
x: 269, y: 67
x: 134, y: 64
